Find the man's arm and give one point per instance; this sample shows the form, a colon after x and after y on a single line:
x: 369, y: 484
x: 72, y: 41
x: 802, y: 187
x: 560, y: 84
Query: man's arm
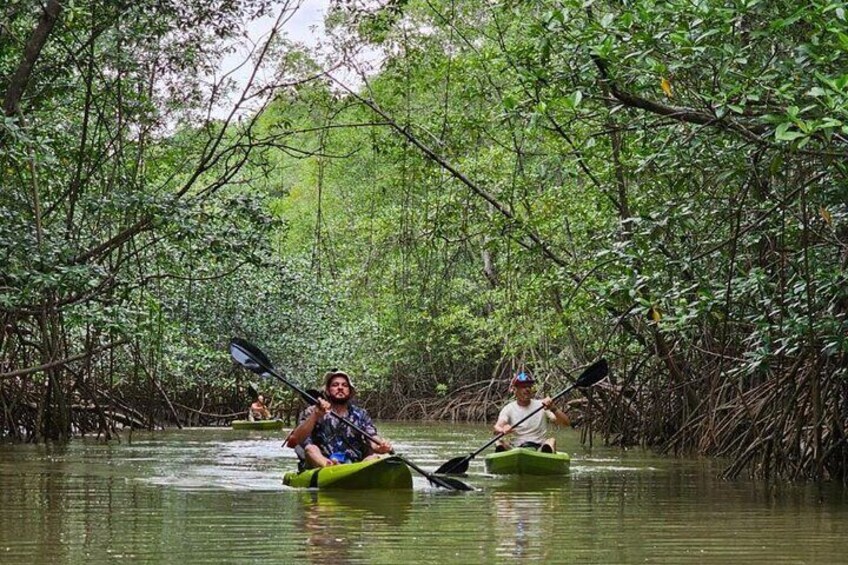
x: 381, y: 445
x: 560, y: 417
x: 304, y: 429
x: 502, y: 425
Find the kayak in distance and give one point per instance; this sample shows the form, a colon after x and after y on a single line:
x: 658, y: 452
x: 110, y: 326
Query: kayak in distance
x: 257, y: 424
x: 523, y: 461
x: 387, y: 473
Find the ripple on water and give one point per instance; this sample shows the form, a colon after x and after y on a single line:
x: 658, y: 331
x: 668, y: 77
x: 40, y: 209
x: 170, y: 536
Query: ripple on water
x: 215, y: 496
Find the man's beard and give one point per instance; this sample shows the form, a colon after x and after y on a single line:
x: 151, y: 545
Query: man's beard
x: 339, y: 401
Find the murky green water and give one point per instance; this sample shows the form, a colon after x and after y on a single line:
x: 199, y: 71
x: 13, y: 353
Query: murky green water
x: 215, y: 496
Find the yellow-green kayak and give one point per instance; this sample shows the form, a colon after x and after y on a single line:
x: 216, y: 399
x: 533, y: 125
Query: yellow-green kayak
x: 387, y: 473
x: 522, y: 461
x: 257, y: 425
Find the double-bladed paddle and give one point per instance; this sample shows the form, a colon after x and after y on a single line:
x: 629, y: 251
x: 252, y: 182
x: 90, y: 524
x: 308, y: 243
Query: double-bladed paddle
x: 593, y: 373
x: 252, y: 358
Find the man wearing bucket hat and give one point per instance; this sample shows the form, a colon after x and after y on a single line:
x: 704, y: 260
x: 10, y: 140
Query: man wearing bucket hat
x: 533, y: 431
x: 321, y: 439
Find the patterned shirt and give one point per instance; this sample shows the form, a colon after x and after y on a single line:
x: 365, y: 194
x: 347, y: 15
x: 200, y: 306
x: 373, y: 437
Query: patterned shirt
x: 331, y: 435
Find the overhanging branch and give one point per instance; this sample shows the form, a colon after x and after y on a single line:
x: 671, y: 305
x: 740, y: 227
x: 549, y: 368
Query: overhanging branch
x: 681, y: 114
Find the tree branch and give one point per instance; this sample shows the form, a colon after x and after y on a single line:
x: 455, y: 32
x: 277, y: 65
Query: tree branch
x: 687, y: 115
x: 59, y: 363
x: 32, y: 51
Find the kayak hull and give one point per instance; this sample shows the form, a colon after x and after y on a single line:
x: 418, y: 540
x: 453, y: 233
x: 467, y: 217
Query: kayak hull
x: 522, y: 461
x: 388, y: 473
x: 257, y: 425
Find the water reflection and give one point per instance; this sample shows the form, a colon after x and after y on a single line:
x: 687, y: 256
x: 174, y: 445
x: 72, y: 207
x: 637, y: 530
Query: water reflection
x: 519, y: 523
x: 522, y: 507
x: 214, y: 496
x: 339, y: 526
x: 389, y: 507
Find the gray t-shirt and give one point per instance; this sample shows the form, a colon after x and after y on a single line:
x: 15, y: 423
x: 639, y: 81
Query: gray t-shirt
x: 533, y: 429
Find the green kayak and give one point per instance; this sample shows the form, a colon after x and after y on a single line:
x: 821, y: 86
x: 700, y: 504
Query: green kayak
x: 386, y: 473
x: 257, y: 425
x: 521, y: 461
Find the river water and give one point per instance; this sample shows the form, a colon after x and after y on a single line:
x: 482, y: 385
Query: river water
x: 215, y: 495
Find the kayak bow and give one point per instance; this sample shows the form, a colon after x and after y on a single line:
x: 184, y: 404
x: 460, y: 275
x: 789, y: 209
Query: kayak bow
x: 523, y: 461
x: 257, y: 424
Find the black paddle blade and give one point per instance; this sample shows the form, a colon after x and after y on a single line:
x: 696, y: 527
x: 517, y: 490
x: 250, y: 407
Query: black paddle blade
x: 250, y: 357
x: 449, y: 482
x: 593, y: 373
x: 457, y: 466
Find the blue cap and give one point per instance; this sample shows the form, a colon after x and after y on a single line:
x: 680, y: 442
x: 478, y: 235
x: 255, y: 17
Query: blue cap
x: 523, y: 379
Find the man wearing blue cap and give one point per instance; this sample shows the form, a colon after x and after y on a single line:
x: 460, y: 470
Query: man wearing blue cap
x: 321, y: 439
x: 533, y: 432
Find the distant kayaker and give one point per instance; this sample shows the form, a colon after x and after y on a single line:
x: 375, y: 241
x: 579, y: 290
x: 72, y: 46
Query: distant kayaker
x: 320, y: 439
x: 533, y: 432
x: 258, y: 410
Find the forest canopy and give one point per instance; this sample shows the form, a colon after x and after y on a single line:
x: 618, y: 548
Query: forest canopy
x: 452, y: 192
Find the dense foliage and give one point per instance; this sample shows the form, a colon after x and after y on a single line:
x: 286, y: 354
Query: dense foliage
x: 660, y: 182
x: 518, y: 185
x: 131, y: 249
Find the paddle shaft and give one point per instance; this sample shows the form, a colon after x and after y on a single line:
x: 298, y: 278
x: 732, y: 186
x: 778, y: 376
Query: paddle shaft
x: 445, y: 483
x: 347, y: 422
x: 594, y: 373
x: 519, y: 422
x: 311, y: 399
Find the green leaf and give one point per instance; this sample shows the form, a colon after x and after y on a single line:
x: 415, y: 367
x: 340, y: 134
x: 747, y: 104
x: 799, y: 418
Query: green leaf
x: 573, y: 99
x: 782, y: 132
